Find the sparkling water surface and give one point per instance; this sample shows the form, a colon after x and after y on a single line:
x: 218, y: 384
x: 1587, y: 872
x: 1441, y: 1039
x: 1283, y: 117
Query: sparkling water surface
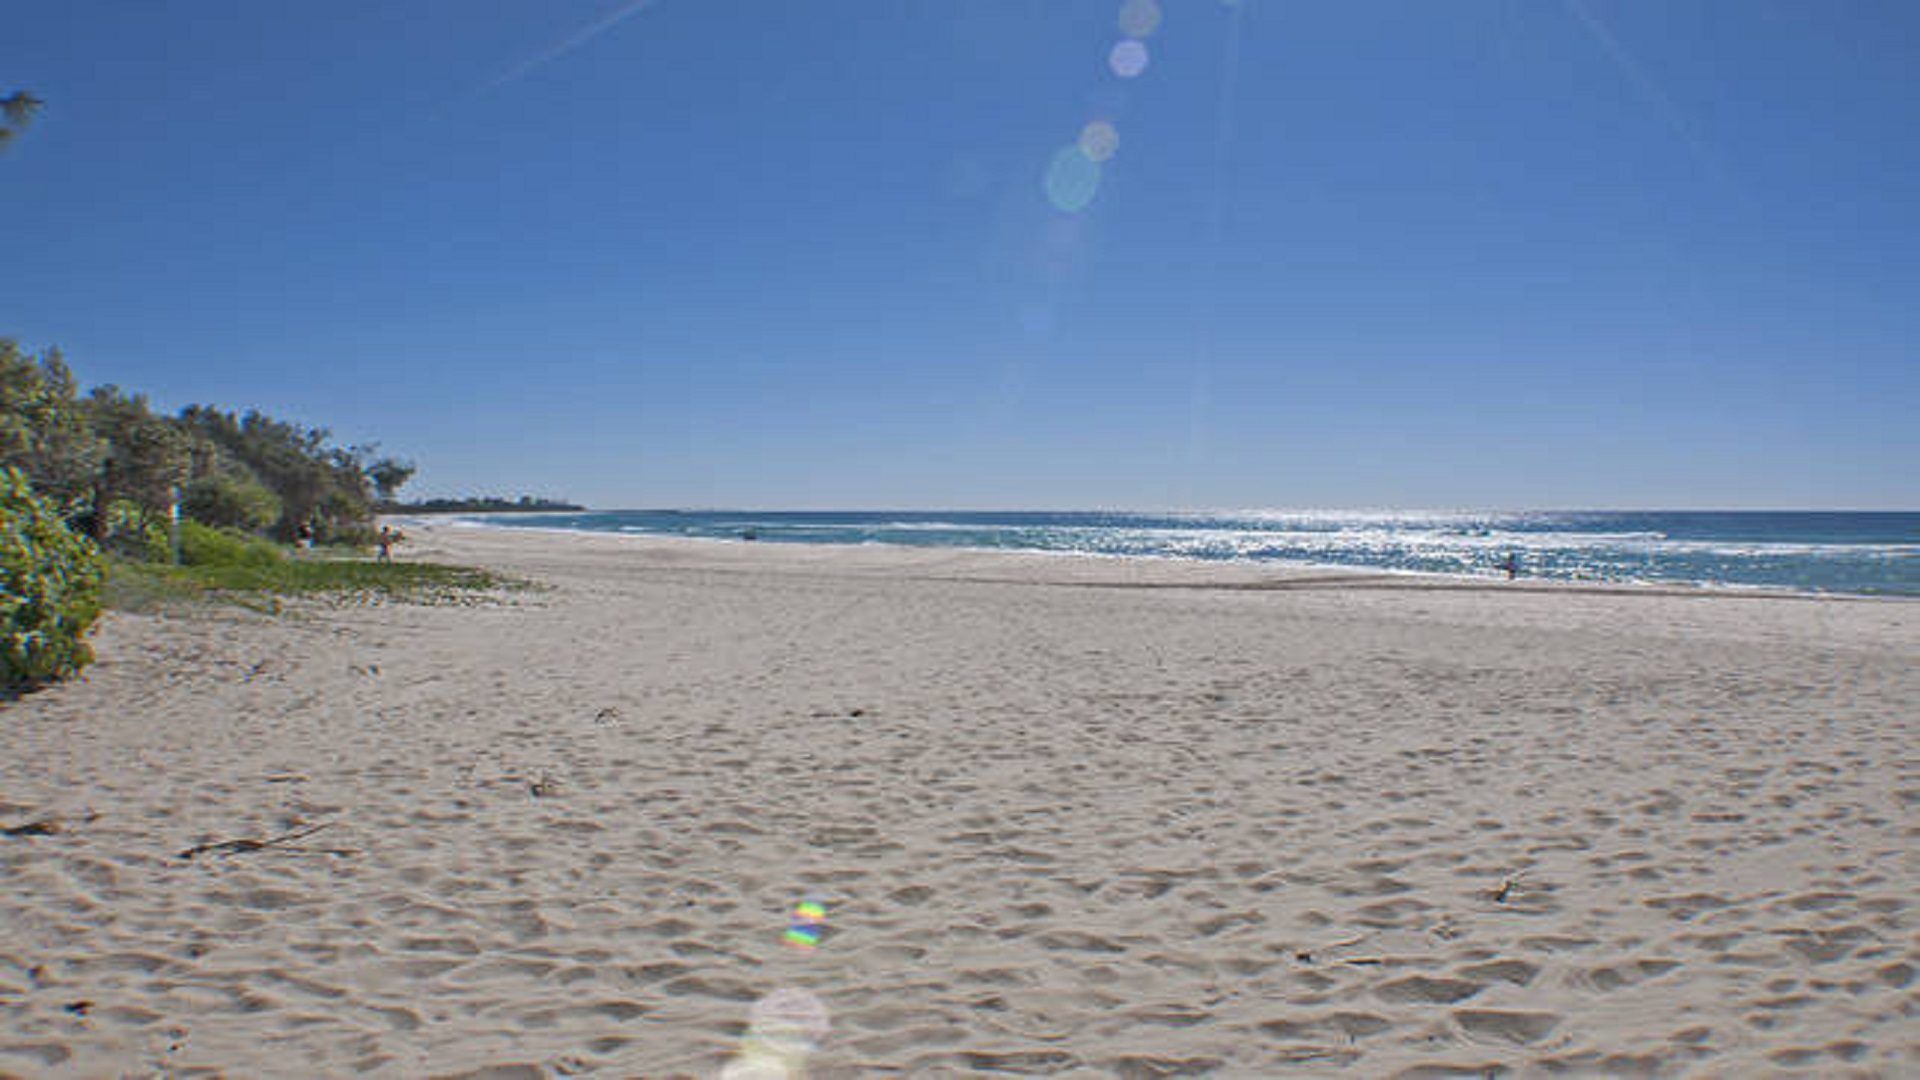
x: 1823, y: 551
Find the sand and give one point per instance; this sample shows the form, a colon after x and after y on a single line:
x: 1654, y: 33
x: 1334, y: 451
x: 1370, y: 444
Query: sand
x: 1061, y: 816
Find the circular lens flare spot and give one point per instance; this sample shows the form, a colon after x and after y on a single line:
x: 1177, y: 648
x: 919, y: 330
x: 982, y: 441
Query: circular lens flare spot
x: 1128, y: 58
x: 782, y: 1029
x: 1139, y: 18
x: 1073, y: 179
x: 808, y: 924
x: 1099, y: 140
x: 788, y: 1022
x: 756, y: 1067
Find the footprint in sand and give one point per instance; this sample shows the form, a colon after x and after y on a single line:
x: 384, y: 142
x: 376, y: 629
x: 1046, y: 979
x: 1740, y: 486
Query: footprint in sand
x: 1517, y: 972
x: 1428, y: 990
x: 1519, y: 1028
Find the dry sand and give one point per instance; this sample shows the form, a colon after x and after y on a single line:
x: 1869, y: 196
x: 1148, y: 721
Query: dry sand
x: 1074, y: 817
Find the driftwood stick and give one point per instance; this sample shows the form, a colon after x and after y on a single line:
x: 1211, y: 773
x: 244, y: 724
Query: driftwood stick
x: 47, y: 824
x: 44, y: 827
x: 1506, y: 888
x: 283, y: 841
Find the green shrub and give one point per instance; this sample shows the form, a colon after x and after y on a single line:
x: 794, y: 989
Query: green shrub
x: 230, y: 502
x: 203, y: 545
x: 354, y: 536
x: 136, y: 534
x: 145, y: 586
x: 50, y: 582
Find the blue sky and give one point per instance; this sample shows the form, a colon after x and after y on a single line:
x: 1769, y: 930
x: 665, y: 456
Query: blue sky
x: 1481, y: 253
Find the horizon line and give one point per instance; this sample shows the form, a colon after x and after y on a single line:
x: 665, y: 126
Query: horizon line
x: 959, y: 509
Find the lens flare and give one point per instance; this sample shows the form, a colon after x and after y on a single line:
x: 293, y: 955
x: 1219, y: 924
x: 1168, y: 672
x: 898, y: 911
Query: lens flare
x: 782, y: 1029
x: 751, y: 1066
x: 1072, y: 180
x: 1139, y: 18
x: 788, y: 1022
x: 1063, y: 246
x: 1128, y: 58
x: 1099, y: 140
x: 808, y: 925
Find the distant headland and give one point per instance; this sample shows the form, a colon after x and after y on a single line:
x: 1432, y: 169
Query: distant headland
x: 485, y: 504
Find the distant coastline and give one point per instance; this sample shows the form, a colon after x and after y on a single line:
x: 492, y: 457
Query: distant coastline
x: 1865, y: 553
x: 525, y: 504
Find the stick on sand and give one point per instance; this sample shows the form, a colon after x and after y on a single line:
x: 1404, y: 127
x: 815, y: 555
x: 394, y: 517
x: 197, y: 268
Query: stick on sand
x: 283, y: 842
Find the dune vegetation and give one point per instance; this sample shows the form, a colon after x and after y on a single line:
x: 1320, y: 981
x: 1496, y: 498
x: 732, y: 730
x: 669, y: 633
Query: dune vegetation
x: 104, y: 500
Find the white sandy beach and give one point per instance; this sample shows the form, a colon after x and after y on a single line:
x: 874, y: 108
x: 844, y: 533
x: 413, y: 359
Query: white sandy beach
x: 1065, y: 816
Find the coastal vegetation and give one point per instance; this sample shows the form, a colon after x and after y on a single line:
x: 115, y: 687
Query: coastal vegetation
x: 50, y: 583
x: 17, y: 110
x: 102, y: 497
x: 115, y: 470
x: 259, y: 575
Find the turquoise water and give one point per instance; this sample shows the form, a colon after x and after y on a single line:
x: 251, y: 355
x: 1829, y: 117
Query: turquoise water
x: 1842, y: 552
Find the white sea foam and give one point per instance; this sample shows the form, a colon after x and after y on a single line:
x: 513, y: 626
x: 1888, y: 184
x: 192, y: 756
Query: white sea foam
x: 1573, y: 546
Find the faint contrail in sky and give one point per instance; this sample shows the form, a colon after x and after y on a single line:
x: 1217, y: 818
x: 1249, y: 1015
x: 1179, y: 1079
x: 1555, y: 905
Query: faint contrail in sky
x: 1642, y: 82
x: 572, y: 41
x: 1223, y: 127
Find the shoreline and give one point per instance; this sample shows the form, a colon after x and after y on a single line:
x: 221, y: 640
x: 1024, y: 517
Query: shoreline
x: 1052, y: 825
x: 1285, y: 574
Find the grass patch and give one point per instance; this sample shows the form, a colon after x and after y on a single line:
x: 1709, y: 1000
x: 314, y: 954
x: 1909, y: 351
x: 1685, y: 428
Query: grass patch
x: 139, y: 586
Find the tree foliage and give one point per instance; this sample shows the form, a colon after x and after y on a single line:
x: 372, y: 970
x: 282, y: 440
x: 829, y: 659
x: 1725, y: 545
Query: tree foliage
x: 317, y: 483
x: 44, y: 431
x: 388, y: 474
x: 17, y: 110
x: 115, y: 469
x: 50, y: 585
x: 230, y: 501
x: 147, y: 457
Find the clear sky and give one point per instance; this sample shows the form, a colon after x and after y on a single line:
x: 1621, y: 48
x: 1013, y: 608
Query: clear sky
x: 747, y: 253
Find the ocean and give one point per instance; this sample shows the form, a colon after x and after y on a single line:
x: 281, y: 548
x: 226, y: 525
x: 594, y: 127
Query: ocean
x: 1872, y: 553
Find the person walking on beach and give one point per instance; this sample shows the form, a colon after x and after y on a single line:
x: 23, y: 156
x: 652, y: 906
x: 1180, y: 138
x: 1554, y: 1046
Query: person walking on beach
x: 1512, y: 565
x: 388, y: 537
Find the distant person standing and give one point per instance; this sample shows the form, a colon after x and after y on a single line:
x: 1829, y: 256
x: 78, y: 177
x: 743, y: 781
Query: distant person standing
x: 303, y: 536
x: 1512, y: 565
x: 389, y: 536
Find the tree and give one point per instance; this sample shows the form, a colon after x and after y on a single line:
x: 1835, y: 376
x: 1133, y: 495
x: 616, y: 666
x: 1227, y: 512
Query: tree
x: 233, y: 501
x: 18, y: 111
x: 388, y: 474
x: 112, y: 468
x: 148, y: 457
x: 315, y: 482
x: 44, y: 431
